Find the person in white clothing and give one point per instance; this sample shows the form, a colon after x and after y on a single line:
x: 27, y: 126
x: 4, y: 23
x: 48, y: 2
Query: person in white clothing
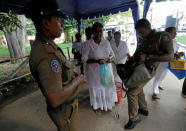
x: 121, y: 53
x: 162, y: 69
x: 94, y: 53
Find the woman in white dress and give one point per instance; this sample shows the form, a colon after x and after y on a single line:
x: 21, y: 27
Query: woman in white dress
x: 121, y: 53
x: 162, y: 69
x: 95, y: 52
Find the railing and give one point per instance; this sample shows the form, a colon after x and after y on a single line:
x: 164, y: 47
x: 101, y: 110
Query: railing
x: 22, y: 65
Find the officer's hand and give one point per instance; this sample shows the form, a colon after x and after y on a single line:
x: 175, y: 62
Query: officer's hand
x: 80, y: 79
x: 143, y: 57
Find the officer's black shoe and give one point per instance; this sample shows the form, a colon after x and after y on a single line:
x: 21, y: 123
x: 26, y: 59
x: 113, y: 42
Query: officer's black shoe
x: 132, y: 124
x: 143, y: 112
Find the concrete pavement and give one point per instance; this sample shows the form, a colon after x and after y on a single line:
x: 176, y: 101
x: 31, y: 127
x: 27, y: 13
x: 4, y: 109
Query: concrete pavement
x: 166, y: 114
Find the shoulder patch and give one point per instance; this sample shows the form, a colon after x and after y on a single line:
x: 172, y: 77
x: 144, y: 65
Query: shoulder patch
x: 55, y: 65
x: 165, y: 38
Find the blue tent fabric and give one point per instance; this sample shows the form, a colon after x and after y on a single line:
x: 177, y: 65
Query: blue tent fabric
x: 146, y: 7
x: 78, y: 9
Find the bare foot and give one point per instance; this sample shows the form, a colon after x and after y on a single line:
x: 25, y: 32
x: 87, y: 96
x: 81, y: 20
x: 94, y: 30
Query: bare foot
x: 155, y: 96
x: 161, y: 88
x: 110, y: 110
x: 98, y: 112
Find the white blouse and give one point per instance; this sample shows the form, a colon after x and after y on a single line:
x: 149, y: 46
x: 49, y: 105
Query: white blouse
x: 120, y: 52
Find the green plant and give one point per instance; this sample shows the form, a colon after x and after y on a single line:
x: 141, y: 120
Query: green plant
x: 181, y: 39
x: 9, y: 21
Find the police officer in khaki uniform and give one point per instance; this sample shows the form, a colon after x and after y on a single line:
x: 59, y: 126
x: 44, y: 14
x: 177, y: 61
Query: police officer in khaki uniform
x: 58, y: 83
x: 153, y: 47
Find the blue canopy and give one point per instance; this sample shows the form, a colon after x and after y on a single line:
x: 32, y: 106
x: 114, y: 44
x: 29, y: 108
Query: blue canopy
x: 80, y: 9
x: 146, y: 7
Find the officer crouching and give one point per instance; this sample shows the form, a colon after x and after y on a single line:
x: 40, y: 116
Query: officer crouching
x: 58, y: 83
x: 153, y: 47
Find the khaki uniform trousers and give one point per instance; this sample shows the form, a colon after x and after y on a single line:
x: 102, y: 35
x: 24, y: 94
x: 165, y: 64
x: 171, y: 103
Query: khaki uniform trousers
x: 65, y: 117
x: 136, y: 100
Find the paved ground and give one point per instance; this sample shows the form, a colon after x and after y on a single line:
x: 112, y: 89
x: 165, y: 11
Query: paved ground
x: 166, y: 114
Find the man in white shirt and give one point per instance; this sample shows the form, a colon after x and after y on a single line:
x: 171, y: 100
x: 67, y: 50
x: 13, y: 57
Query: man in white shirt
x: 162, y: 69
x: 121, y: 52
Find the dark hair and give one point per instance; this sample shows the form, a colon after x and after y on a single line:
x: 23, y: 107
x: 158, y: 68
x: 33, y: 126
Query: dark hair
x: 170, y: 29
x: 109, y: 32
x: 78, y: 36
x: 117, y: 33
x: 95, y: 25
x: 88, y: 32
x: 142, y: 23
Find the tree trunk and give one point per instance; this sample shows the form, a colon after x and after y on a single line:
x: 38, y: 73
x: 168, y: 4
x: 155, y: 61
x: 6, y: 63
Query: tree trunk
x: 16, y: 40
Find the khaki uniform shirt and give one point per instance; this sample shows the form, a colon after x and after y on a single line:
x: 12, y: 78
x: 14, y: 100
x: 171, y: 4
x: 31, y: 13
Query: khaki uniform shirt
x: 49, y: 67
x: 157, y: 43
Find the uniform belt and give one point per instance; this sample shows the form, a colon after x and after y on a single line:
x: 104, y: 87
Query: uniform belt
x: 70, y: 102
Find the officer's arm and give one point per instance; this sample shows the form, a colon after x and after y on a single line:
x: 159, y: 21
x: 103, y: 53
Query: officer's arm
x: 167, y: 47
x: 58, y: 98
x: 162, y: 58
x: 49, y: 71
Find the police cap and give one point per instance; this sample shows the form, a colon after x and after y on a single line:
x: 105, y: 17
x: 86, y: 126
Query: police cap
x: 39, y: 8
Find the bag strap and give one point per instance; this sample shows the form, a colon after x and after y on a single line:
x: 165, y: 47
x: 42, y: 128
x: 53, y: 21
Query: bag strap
x: 124, y: 89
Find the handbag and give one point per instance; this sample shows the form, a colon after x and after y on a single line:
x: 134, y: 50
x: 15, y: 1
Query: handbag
x: 132, y: 75
x: 139, y: 76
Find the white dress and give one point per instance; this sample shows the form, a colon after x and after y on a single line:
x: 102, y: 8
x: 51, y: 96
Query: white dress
x: 100, y: 96
x: 162, y: 71
x: 120, y: 53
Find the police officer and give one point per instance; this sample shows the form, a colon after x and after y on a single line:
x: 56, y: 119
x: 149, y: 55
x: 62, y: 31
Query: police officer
x: 58, y: 83
x: 153, y: 47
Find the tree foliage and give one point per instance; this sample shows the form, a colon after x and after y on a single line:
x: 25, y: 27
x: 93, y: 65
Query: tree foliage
x: 30, y: 29
x: 9, y: 21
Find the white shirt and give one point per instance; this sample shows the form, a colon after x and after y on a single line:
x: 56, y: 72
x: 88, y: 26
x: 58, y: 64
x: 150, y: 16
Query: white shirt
x: 120, y: 52
x: 91, y: 50
x: 175, y: 45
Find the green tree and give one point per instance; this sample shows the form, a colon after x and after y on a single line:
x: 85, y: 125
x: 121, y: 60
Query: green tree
x: 70, y: 26
x: 30, y: 28
x: 14, y: 29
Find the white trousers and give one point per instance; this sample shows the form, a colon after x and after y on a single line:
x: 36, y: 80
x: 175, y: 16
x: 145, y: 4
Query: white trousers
x: 161, y: 72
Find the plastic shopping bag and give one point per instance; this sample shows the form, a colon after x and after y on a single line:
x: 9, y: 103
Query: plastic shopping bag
x: 105, y: 75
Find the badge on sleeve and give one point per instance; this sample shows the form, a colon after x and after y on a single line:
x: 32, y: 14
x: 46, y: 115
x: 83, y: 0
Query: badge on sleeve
x: 55, y: 65
x: 166, y: 38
